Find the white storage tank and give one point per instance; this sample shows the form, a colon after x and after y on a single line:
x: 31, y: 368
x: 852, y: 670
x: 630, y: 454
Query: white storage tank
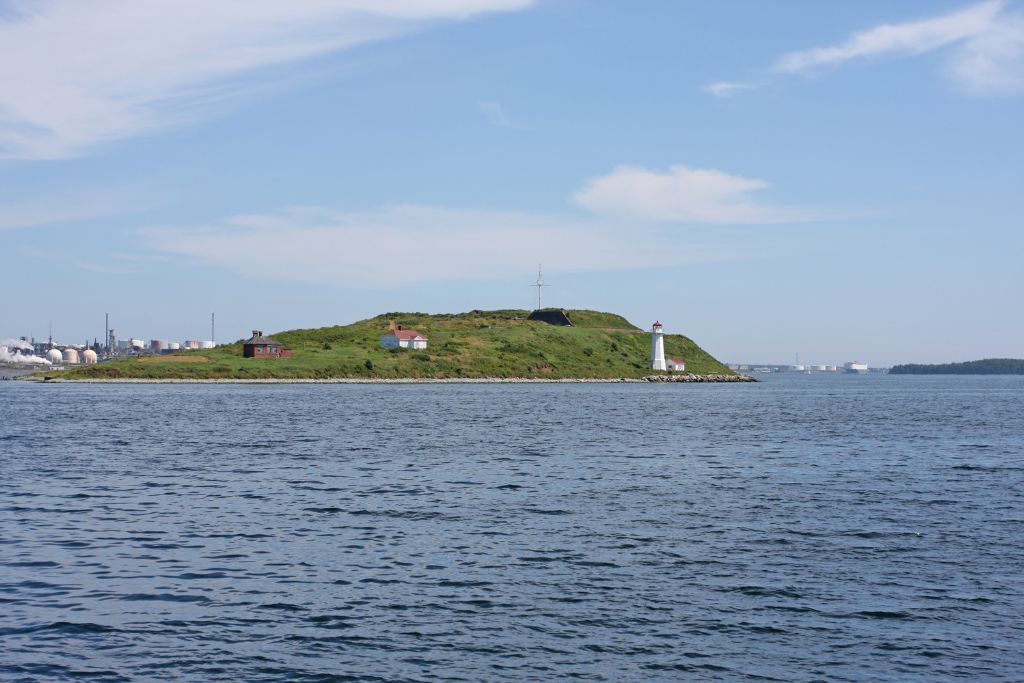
x: 89, y: 356
x: 173, y: 346
x: 53, y: 355
x: 192, y: 344
x: 206, y: 344
x: 70, y: 356
x: 157, y: 344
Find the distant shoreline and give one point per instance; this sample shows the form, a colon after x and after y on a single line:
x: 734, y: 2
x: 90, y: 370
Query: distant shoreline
x: 653, y: 379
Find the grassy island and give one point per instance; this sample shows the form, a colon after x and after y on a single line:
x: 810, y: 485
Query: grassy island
x: 478, y: 344
x: 989, y: 366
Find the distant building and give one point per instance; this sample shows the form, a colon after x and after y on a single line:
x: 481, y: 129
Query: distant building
x: 675, y: 365
x: 404, y: 339
x: 264, y: 347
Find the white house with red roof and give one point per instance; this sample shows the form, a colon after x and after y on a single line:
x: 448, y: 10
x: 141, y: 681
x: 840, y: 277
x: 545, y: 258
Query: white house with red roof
x: 675, y: 365
x: 401, y: 338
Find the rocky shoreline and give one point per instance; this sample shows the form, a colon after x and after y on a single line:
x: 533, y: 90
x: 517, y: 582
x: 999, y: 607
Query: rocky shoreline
x: 656, y: 379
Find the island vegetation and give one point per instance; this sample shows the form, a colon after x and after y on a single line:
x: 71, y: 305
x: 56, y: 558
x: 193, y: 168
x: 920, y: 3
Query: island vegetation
x: 477, y: 344
x: 988, y: 366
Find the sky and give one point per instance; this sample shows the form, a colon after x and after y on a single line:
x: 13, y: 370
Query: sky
x: 842, y: 180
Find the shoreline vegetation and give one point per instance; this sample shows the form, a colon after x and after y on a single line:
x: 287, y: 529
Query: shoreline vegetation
x: 652, y: 379
x: 988, y: 366
x: 477, y: 346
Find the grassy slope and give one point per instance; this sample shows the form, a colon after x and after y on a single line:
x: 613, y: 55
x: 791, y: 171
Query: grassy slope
x: 475, y: 344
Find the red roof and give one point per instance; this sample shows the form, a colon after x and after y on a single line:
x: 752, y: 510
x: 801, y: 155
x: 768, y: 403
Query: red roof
x: 404, y: 334
x: 676, y: 360
x: 657, y: 324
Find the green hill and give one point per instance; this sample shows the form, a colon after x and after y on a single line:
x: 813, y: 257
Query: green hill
x: 499, y: 344
x: 989, y: 366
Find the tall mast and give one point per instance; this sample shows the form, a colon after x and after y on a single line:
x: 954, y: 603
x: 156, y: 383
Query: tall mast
x: 540, y: 285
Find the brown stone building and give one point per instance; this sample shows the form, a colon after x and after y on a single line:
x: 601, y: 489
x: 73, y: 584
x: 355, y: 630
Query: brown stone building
x: 264, y: 347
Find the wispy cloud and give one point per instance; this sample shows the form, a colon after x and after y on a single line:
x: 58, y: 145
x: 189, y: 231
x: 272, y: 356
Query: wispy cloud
x: 682, y: 195
x: 985, y: 40
x: 77, y: 74
x: 495, y: 114
x: 66, y: 207
x: 403, y: 245
x: 408, y: 245
x: 730, y: 88
x: 93, y: 266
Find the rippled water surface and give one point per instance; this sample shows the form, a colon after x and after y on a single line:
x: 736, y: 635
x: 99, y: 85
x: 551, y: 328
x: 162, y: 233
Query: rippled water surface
x: 803, y: 528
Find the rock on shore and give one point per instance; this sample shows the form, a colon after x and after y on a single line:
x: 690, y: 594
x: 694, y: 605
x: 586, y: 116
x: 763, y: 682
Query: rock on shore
x: 698, y: 378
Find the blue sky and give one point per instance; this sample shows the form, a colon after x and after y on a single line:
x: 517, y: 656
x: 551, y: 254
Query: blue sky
x: 842, y: 180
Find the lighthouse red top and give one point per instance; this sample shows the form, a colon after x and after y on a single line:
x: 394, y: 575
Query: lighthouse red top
x: 657, y: 324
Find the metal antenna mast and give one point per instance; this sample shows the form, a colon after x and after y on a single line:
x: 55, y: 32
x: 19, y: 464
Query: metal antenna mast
x: 540, y: 285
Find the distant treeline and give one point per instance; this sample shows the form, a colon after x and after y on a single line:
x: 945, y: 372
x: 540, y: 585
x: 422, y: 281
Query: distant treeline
x: 989, y: 366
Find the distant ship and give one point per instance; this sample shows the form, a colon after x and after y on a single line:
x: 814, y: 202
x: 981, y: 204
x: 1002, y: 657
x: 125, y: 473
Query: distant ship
x: 855, y: 368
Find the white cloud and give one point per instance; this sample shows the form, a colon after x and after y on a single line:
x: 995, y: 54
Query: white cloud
x: 76, y: 74
x: 730, y: 88
x: 681, y: 195
x: 985, y: 40
x: 410, y: 245
x: 992, y: 62
x: 908, y: 38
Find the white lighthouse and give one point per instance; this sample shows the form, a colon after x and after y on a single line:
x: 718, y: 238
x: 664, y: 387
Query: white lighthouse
x: 658, y: 348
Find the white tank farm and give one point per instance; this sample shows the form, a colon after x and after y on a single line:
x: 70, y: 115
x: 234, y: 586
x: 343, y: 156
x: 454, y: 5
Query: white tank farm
x: 53, y: 355
x: 70, y: 356
x: 89, y: 356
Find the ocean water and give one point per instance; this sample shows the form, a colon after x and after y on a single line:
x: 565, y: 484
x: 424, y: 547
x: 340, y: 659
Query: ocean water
x: 806, y: 528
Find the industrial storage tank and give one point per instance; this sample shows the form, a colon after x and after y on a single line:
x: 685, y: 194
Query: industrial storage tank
x: 206, y: 344
x: 70, y: 356
x: 158, y: 344
x: 88, y: 356
x: 173, y: 346
x: 53, y: 355
x: 137, y: 344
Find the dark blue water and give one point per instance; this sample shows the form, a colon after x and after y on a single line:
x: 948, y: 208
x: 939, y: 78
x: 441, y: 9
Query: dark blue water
x: 805, y: 528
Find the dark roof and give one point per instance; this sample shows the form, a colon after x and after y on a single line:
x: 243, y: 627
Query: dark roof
x: 551, y: 316
x: 258, y: 338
